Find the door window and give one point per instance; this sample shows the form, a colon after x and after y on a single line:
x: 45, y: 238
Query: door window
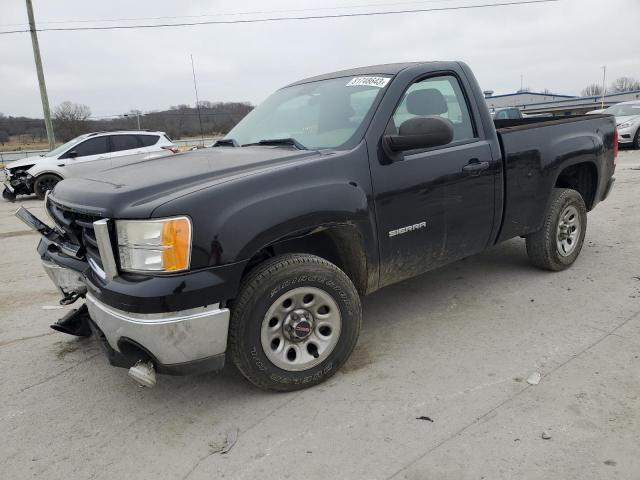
x: 148, y: 140
x: 124, y: 142
x: 93, y: 146
x: 436, y: 96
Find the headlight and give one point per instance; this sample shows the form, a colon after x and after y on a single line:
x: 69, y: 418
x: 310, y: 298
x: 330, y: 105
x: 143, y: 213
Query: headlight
x: 625, y: 125
x: 154, y: 245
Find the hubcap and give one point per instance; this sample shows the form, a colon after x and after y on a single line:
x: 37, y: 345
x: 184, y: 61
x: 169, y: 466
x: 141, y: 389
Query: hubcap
x: 301, y: 329
x: 568, y: 231
x: 48, y: 184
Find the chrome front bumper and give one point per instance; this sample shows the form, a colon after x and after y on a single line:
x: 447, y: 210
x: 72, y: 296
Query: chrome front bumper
x: 65, y: 279
x: 172, y: 338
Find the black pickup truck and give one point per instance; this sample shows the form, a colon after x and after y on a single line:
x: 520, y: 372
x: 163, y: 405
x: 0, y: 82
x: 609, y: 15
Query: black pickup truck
x: 259, y: 249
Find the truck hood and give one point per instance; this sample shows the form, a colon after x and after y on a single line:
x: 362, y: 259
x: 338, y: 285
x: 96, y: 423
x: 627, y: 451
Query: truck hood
x: 134, y: 191
x: 32, y: 160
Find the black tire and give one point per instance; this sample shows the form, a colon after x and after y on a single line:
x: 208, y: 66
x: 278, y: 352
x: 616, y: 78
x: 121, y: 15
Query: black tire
x: 7, y: 195
x: 636, y: 140
x: 45, y: 183
x: 267, y: 283
x: 542, y: 246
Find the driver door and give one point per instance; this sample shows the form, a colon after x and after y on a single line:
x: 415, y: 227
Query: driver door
x: 89, y: 156
x: 434, y: 205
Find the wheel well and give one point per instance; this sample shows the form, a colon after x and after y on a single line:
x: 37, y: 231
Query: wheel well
x: 340, y: 245
x: 47, y: 173
x: 582, y: 177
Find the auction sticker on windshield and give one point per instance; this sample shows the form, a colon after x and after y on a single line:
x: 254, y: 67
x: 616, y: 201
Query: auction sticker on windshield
x: 380, y: 82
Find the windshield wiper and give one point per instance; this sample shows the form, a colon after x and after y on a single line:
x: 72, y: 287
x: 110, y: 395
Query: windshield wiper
x: 279, y: 141
x: 226, y: 142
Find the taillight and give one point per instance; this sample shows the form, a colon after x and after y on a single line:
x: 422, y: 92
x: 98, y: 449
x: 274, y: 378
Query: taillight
x: 171, y: 148
x: 615, y: 145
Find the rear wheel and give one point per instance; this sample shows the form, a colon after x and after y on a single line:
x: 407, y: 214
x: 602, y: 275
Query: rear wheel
x: 557, y: 245
x: 45, y: 183
x: 295, y: 322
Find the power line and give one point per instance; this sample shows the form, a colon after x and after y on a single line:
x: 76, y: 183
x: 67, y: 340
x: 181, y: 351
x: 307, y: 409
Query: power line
x: 230, y: 14
x: 280, y: 19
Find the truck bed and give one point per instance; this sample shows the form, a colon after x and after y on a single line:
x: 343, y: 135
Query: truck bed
x: 533, y: 147
x: 513, y: 124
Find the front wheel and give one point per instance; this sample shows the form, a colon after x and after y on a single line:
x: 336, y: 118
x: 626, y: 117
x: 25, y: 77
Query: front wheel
x: 557, y: 245
x: 8, y: 195
x: 295, y: 322
x: 44, y: 183
x: 636, y: 140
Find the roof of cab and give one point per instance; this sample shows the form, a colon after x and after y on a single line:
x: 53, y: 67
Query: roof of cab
x: 383, y: 69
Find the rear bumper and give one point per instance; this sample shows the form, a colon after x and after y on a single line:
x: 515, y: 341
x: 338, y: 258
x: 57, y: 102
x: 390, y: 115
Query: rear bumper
x: 177, y: 342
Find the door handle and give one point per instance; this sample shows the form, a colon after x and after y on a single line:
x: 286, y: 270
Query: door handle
x: 474, y: 167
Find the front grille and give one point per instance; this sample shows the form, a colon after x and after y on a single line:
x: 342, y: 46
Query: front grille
x: 78, y: 227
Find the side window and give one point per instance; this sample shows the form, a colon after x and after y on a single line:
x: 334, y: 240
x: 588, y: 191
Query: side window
x: 124, y: 142
x: 437, y: 96
x: 148, y: 140
x: 93, y: 146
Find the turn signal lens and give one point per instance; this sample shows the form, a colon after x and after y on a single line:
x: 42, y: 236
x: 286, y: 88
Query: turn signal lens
x: 176, y: 240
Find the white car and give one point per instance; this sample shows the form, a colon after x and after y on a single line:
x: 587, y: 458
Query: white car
x: 91, y: 152
x: 628, y: 120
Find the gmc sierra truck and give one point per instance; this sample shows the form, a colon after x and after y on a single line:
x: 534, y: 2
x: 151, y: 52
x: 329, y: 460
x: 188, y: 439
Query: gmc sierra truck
x: 259, y: 249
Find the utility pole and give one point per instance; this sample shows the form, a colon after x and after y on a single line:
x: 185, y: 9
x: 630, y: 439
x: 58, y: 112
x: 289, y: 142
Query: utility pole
x: 604, y: 82
x: 137, y: 117
x: 195, y: 87
x: 43, y: 87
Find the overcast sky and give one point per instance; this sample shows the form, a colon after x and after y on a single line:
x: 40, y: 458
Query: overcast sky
x: 560, y: 46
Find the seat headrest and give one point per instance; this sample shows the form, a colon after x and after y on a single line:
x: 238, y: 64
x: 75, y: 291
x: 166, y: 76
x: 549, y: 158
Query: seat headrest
x: 426, y: 102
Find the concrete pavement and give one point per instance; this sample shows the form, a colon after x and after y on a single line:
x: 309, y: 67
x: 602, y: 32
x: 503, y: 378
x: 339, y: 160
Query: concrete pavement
x: 455, y: 345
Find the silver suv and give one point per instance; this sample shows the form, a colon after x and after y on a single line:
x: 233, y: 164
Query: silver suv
x: 91, y: 152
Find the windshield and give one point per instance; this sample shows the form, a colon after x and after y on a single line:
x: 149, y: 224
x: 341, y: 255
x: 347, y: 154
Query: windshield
x: 323, y: 114
x: 62, y: 148
x: 624, y: 110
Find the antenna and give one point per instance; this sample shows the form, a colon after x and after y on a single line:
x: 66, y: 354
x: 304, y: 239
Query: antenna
x: 195, y: 87
x: 604, y: 83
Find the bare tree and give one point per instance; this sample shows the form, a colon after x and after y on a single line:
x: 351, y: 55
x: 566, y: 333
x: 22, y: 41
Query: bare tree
x: 592, y: 90
x: 4, y: 137
x: 624, y: 84
x: 71, y: 120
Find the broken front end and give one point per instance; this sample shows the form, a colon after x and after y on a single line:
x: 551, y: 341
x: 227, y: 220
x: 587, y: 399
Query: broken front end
x: 139, y: 320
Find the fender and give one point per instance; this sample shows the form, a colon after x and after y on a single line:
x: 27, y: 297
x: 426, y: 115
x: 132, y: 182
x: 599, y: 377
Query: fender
x: 532, y: 170
x: 38, y: 170
x: 237, y: 219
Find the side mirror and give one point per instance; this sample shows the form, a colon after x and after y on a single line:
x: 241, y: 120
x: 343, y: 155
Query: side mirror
x: 72, y: 154
x: 420, y: 132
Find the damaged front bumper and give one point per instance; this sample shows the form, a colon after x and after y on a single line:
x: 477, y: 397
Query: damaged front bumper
x: 185, y: 341
x: 18, y: 184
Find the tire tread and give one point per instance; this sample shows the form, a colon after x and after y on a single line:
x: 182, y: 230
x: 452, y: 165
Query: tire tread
x: 252, y: 281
